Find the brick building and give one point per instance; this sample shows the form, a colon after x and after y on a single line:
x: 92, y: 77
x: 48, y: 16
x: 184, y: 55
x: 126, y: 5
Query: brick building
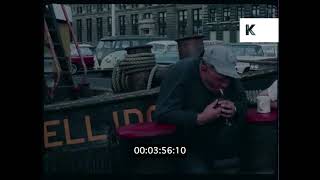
x: 91, y: 22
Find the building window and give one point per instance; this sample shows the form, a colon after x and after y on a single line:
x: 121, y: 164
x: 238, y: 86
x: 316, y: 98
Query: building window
x: 108, y: 6
x: 99, y: 29
x: 134, y: 22
x: 79, y: 30
x: 89, y: 8
x: 162, y: 23
x: 122, y: 25
x: 79, y: 10
x: 146, y: 31
x: 269, y: 11
x: 255, y: 11
x: 226, y: 36
x: 212, y: 15
x: 89, y: 30
x: 240, y: 12
x: 182, y: 22
x: 226, y: 14
x: 274, y: 11
x: 197, y: 21
x: 122, y: 6
x: 147, y: 16
x: 134, y: 5
x: 74, y: 11
x: 99, y: 7
x: 109, y: 22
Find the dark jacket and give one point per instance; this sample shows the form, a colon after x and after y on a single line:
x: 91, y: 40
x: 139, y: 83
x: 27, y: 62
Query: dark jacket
x: 183, y: 95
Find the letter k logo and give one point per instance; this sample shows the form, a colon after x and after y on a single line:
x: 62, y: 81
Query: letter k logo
x: 249, y: 29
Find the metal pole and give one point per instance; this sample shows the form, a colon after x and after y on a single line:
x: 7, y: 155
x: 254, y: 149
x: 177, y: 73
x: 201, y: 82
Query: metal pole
x: 113, y: 14
x: 84, y: 79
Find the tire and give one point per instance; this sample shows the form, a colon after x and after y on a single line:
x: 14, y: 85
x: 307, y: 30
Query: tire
x: 74, y: 69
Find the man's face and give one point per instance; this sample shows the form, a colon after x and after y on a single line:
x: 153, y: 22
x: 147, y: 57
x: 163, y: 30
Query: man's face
x: 212, y: 79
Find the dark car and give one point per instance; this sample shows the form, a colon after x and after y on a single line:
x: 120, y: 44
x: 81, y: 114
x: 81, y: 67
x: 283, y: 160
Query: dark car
x: 111, y: 44
x: 88, y: 57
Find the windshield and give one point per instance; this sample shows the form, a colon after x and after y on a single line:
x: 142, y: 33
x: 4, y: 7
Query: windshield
x: 83, y: 51
x: 269, y: 51
x: 135, y: 43
x: 247, y: 50
x: 117, y: 44
x: 238, y: 51
x: 108, y: 44
x: 100, y: 44
x: 158, y: 47
x: 125, y: 44
x: 172, y: 48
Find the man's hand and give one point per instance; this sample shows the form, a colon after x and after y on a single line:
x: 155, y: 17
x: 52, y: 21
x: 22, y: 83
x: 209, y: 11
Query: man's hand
x: 211, y: 112
x: 228, y: 109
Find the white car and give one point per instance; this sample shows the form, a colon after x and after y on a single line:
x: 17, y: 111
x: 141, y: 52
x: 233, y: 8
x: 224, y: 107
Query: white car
x: 212, y: 42
x: 165, y: 51
x: 251, y: 52
x: 242, y: 67
x: 110, y: 60
x: 270, y: 49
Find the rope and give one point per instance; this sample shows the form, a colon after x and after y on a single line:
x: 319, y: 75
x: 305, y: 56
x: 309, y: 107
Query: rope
x: 123, y: 82
x: 138, y: 59
x: 127, y: 82
x: 137, y: 66
x: 152, y: 73
x: 138, y: 70
x: 115, y: 76
x: 137, y: 62
x: 139, y: 55
x: 131, y: 64
x: 118, y: 74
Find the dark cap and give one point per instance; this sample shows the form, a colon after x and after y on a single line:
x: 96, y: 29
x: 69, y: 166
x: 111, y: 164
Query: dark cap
x: 139, y: 49
x: 191, y: 46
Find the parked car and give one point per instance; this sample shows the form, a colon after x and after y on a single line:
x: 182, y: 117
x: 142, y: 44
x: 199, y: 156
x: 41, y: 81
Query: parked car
x: 88, y: 57
x: 207, y: 43
x: 270, y: 49
x: 243, y: 66
x: 247, y: 51
x: 166, y: 52
x: 110, y: 60
x: 111, y: 44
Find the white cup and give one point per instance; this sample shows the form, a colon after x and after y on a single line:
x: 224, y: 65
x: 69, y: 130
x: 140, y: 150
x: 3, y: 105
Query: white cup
x: 263, y: 104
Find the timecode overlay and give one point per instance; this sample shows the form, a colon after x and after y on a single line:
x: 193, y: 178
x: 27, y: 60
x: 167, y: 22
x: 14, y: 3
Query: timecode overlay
x: 166, y: 151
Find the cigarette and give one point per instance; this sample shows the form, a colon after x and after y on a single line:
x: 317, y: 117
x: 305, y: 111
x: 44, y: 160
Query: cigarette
x: 221, y: 91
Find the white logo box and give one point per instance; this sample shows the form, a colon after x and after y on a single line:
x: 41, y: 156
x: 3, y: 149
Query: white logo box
x: 265, y: 30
